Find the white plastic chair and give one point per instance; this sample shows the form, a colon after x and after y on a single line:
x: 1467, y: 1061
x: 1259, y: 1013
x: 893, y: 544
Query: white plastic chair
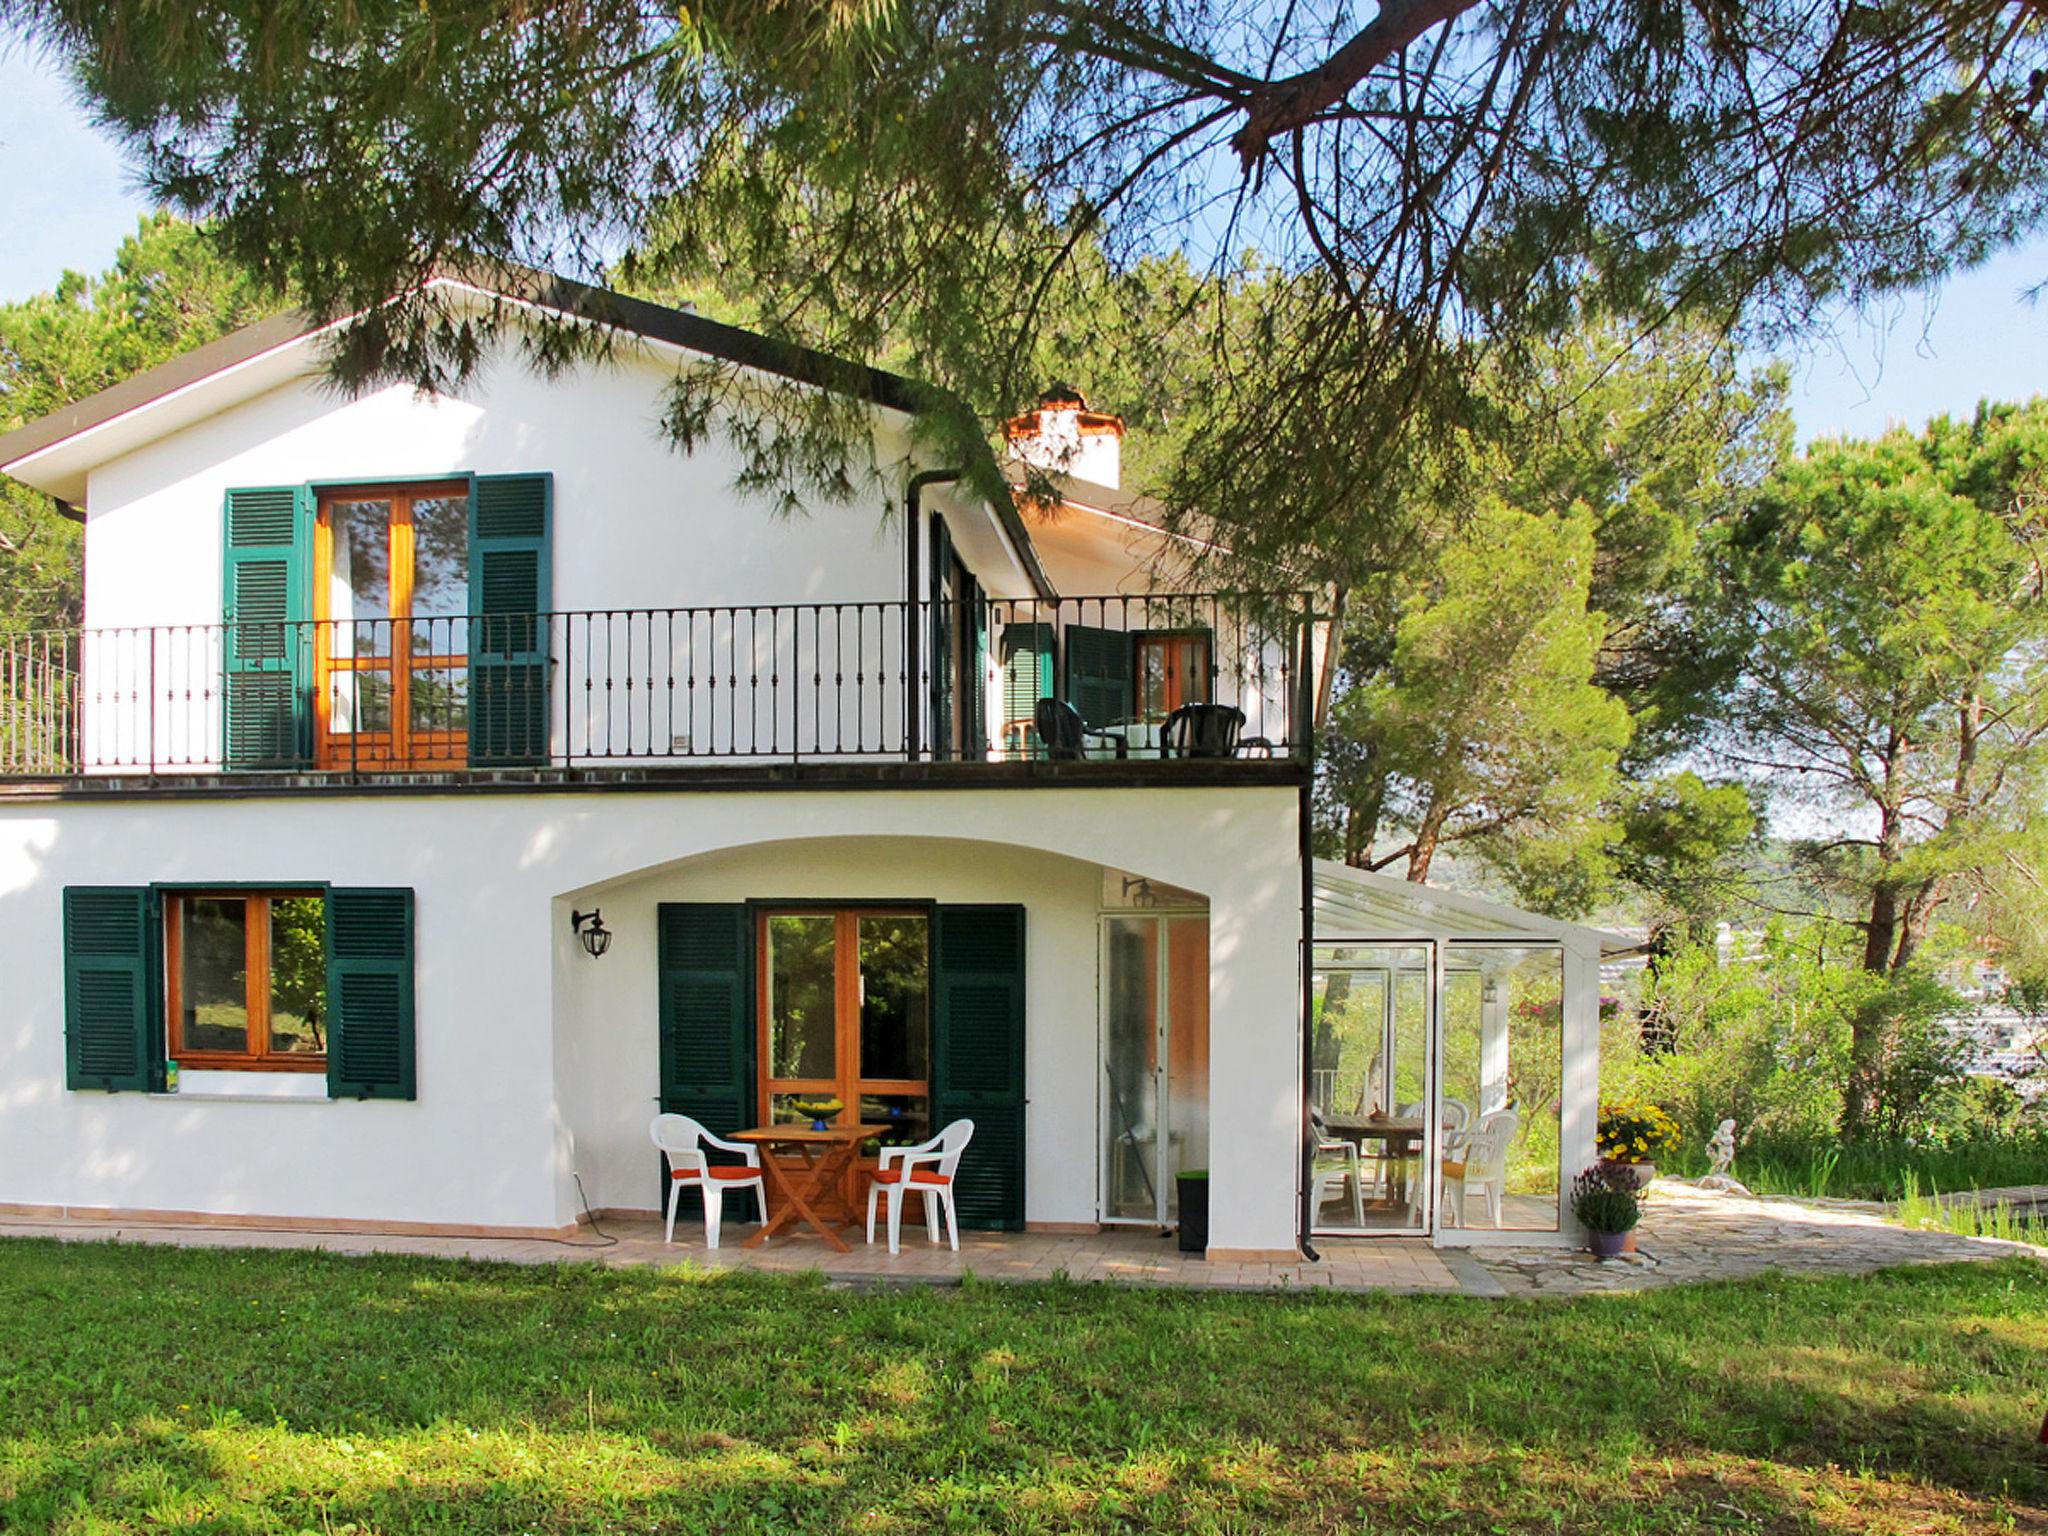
x: 683, y: 1141
x: 1336, y: 1165
x: 1485, y: 1156
x: 929, y: 1168
x: 1455, y: 1118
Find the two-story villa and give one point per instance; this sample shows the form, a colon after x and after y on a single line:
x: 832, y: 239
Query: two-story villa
x: 445, y: 784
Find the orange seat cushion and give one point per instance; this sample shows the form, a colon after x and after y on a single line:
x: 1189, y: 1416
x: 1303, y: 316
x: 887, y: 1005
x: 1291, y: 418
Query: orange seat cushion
x: 1453, y: 1170
x: 918, y: 1176
x: 717, y: 1172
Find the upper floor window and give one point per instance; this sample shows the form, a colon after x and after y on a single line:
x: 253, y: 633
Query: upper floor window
x: 1172, y: 667
x: 391, y: 601
x: 387, y: 624
x: 246, y: 979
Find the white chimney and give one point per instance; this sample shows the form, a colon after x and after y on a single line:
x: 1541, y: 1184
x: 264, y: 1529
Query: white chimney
x: 1064, y: 436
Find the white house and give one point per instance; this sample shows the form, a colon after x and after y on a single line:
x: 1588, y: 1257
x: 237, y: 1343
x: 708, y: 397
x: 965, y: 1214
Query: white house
x: 954, y: 812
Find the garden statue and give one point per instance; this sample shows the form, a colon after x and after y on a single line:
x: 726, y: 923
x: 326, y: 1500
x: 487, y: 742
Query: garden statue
x: 1721, y: 1148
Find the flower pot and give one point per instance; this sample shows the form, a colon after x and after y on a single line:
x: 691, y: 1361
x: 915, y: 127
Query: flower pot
x: 1611, y: 1245
x: 1639, y: 1173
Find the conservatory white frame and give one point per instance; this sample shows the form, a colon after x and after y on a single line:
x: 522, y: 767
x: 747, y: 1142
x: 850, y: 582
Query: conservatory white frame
x: 1356, y: 908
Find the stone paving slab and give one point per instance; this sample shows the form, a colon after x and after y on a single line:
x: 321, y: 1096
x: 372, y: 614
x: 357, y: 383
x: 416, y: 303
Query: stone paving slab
x: 1692, y: 1234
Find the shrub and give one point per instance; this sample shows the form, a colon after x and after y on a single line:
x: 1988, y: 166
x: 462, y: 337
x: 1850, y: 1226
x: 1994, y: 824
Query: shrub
x: 1633, y: 1132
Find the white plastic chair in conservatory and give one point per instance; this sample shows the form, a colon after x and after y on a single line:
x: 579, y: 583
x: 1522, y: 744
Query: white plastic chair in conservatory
x: 682, y: 1140
x: 1455, y: 1118
x: 930, y: 1168
x: 1337, y: 1165
x: 1485, y: 1158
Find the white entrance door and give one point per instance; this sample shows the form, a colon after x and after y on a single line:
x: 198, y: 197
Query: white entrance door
x: 1154, y: 1081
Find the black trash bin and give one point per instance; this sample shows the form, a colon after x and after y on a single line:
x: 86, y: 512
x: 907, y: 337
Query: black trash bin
x: 1194, y: 1210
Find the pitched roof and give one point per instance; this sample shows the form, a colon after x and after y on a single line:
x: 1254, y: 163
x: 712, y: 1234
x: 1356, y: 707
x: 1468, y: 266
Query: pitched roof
x: 656, y: 322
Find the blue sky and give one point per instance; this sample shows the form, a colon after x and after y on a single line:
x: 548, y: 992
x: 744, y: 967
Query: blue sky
x: 70, y: 200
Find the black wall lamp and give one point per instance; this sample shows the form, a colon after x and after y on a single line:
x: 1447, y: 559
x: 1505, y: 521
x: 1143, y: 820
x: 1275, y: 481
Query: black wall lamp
x: 589, y: 927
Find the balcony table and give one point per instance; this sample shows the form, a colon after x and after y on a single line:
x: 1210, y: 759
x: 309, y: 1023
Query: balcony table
x: 1134, y: 738
x: 820, y: 1174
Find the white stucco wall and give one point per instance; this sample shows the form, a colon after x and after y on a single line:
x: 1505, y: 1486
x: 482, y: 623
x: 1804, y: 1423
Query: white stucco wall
x: 640, y: 529
x: 638, y: 524
x: 535, y: 1061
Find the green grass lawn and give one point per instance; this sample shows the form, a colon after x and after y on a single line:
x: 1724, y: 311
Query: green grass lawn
x: 145, y: 1388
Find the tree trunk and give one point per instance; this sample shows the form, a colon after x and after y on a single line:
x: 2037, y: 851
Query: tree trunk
x: 1916, y: 918
x: 1427, y: 836
x: 1362, y: 828
x: 1880, y: 941
x: 1881, y: 928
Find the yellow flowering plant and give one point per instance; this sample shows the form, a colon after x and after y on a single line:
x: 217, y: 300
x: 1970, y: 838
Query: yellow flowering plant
x: 1632, y: 1132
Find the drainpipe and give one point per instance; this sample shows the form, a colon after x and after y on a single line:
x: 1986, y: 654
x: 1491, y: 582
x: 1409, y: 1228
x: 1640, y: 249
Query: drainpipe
x: 913, y: 519
x: 1308, y: 1010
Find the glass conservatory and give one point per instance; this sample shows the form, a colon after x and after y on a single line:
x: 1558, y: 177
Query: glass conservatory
x: 1454, y: 1063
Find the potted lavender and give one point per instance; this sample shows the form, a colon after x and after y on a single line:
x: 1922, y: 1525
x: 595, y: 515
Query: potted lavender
x: 1608, y: 1203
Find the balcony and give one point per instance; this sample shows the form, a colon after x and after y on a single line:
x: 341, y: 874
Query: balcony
x: 1146, y: 687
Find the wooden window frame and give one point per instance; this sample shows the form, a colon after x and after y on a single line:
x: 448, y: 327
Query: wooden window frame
x: 256, y: 985
x: 400, y: 746
x: 847, y: 1088
x: 1175, y: 687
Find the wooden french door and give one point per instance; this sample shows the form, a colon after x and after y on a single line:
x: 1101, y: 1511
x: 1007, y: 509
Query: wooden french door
x: 844, y: 1013
x: 391, y: 638
x: 1172, y: 669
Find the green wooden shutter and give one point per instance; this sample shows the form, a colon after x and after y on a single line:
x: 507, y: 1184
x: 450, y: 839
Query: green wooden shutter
x: 706, y: 962
x: 978, y: 1054
x: 509, y: 595
x: 1099, y: 674
x: 707, y: 1036
x: 1027, y: 652
x: 112, y: 1036
x: 370, y: 994
x: 976, y: 734
x: 266, y: 657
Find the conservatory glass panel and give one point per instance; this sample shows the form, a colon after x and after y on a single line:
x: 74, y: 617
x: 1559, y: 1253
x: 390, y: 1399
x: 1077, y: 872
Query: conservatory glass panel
x: 1503, y: 1085
x: 1369, y: 1077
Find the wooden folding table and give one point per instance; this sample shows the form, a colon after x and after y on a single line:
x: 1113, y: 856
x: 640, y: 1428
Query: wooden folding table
x: 814, y: 1186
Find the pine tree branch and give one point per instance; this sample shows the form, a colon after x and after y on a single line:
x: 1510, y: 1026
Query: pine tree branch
x: 1283, y: 106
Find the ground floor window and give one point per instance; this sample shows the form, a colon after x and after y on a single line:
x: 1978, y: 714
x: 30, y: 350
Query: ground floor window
x: 845, y: 1017
x: 246, y: 979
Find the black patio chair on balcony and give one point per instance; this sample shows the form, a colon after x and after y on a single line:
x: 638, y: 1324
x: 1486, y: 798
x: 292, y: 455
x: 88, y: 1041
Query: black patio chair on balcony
x: 1066, y: 735
x: 1201, y: 730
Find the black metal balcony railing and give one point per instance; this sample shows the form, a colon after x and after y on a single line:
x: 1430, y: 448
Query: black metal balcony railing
x: 754, y: 683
